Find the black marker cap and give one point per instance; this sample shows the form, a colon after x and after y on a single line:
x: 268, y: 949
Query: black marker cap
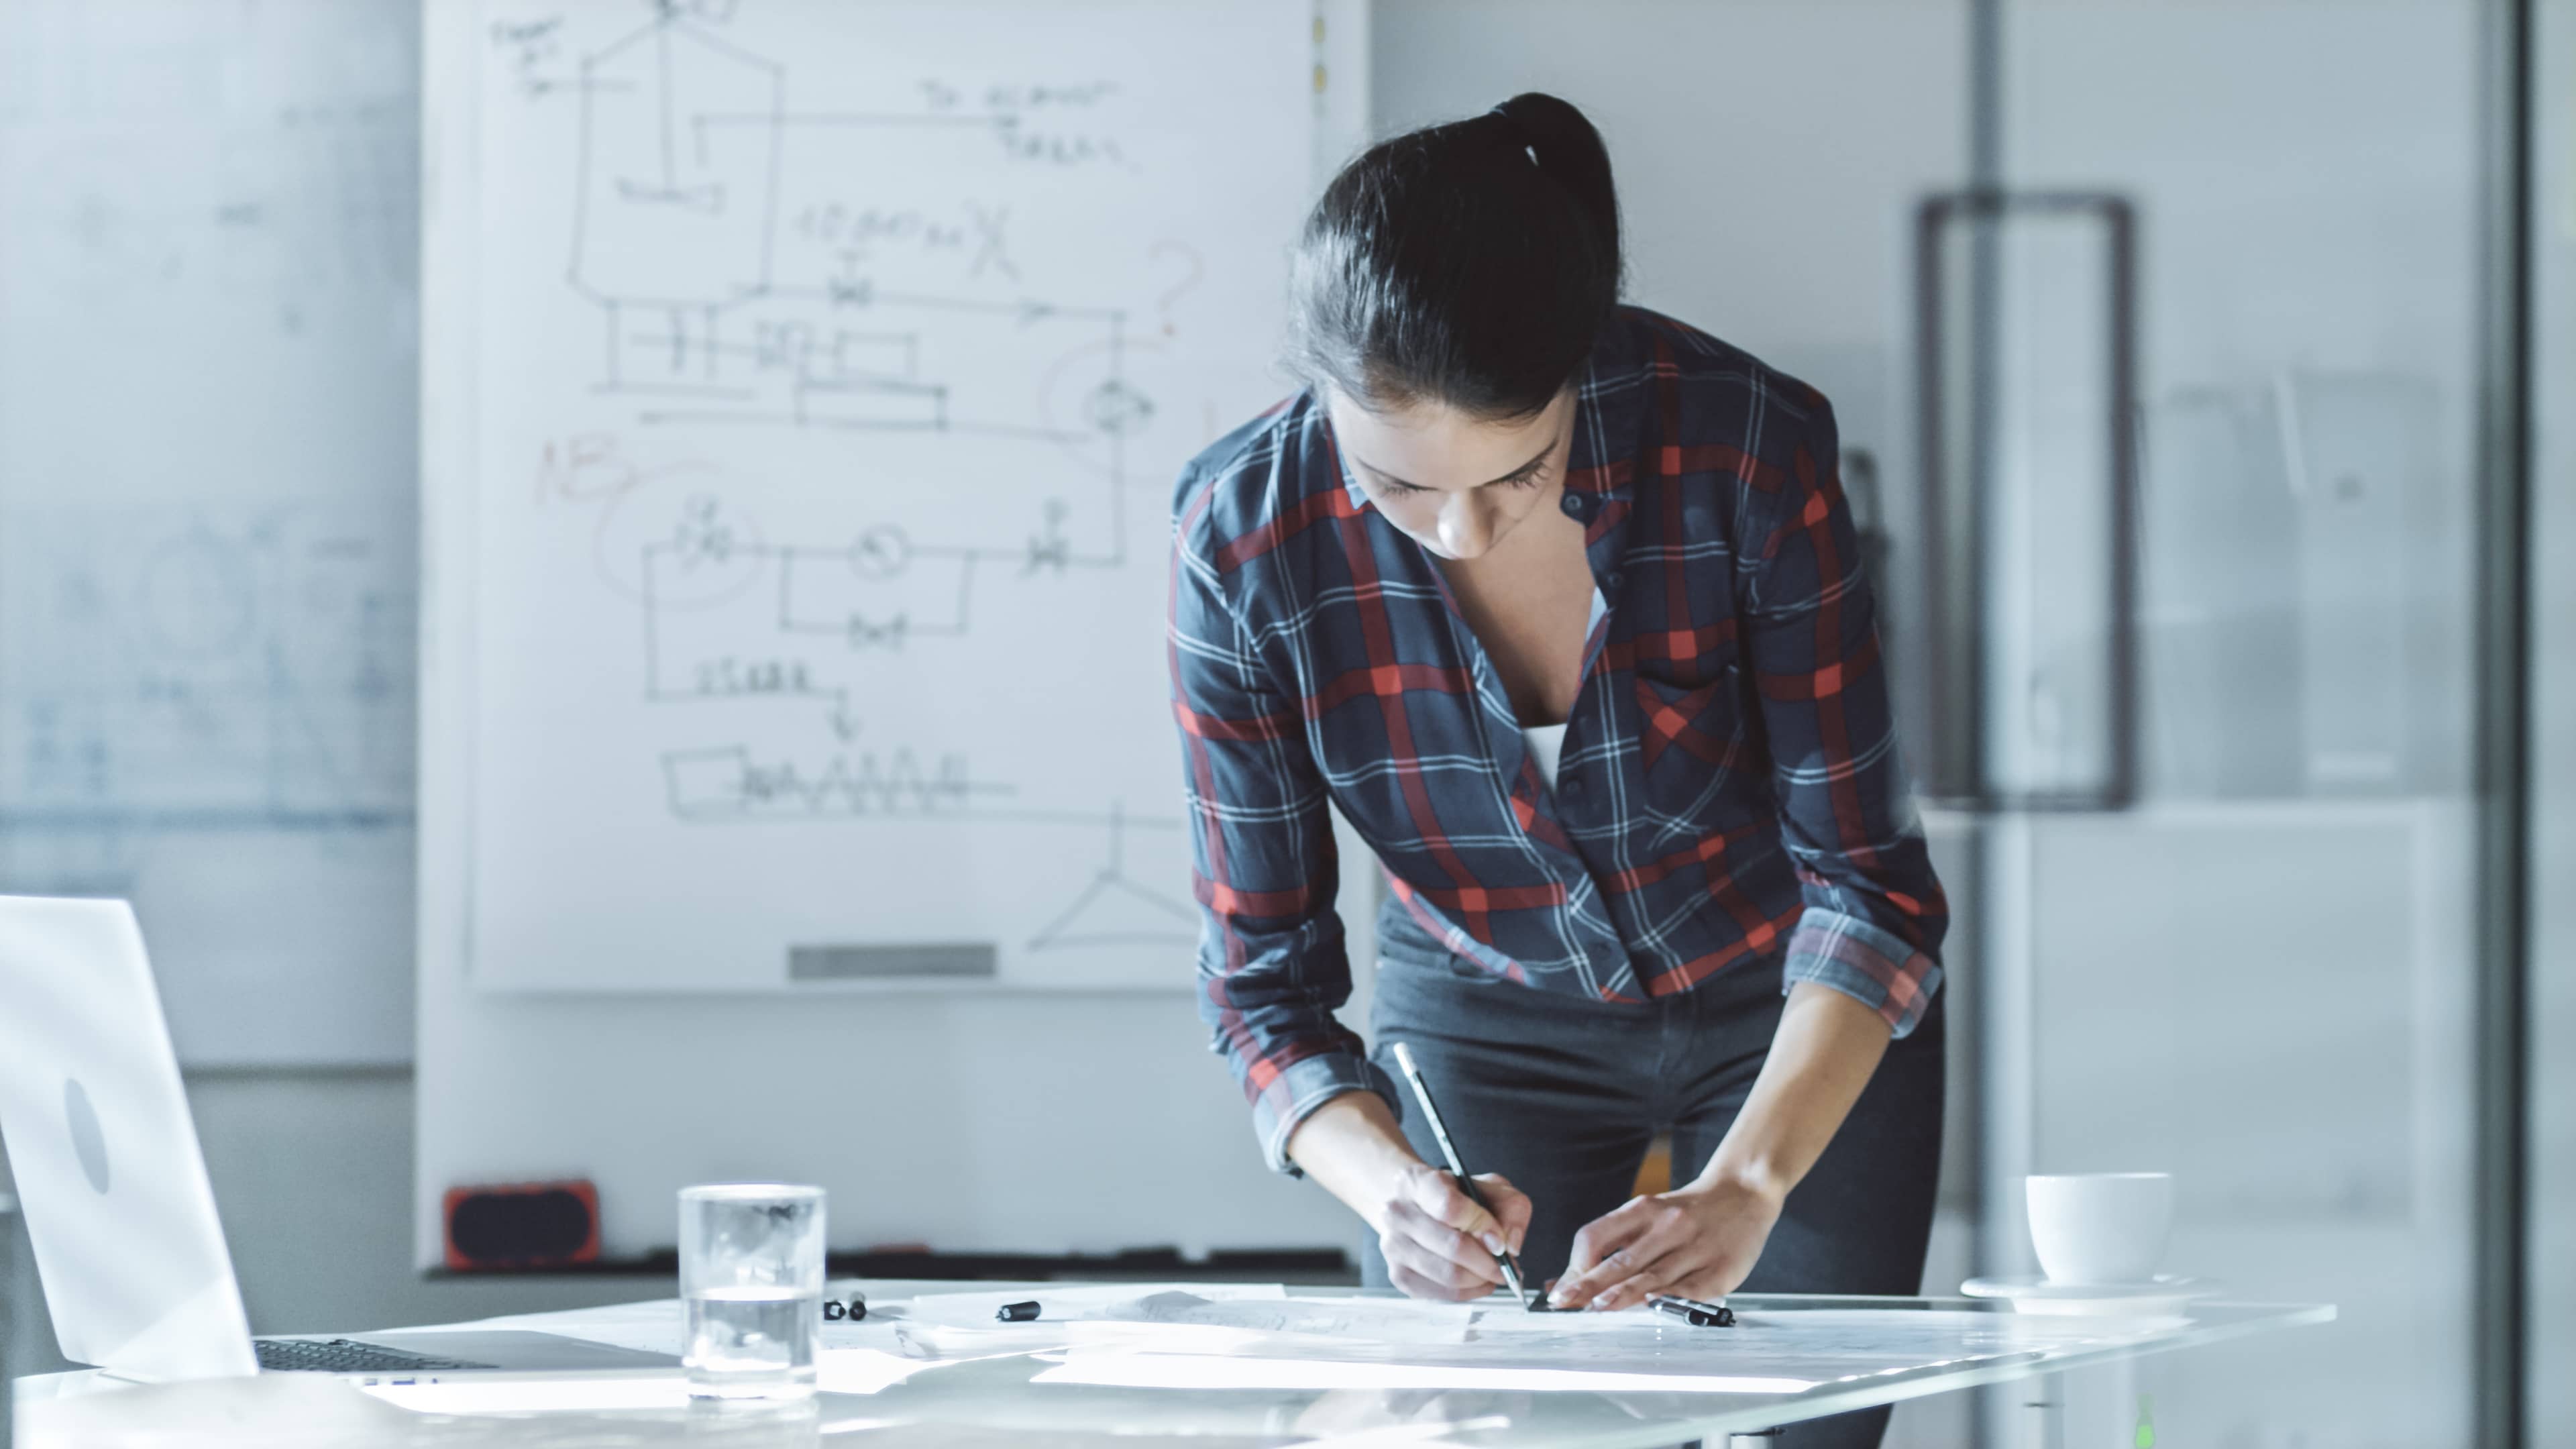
x: 1017, y: 1312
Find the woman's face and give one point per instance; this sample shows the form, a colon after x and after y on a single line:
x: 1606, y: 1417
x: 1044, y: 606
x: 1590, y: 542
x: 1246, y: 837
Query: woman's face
x: 1459, y: 485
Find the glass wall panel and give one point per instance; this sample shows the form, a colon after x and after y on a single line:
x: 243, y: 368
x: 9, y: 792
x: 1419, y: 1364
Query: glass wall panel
x: 209, y: 315
x: 2259, y: 978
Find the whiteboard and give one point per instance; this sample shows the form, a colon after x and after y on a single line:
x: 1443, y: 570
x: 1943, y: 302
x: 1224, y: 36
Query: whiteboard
x: 558, y: 1037
x: 208, y: 515
x: 831, y: 370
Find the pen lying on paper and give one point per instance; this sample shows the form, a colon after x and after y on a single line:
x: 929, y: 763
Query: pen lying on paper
x: 1440, y: 1134
x: 1693, y: 1311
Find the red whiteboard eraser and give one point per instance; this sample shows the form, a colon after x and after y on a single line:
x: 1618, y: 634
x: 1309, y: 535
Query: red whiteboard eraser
x: 521, y: 1226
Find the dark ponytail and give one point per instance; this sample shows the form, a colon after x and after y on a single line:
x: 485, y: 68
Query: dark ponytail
x: 1471, y: 264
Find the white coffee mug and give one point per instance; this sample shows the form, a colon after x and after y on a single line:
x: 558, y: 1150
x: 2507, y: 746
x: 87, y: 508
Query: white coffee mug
x: 2100, y: 1227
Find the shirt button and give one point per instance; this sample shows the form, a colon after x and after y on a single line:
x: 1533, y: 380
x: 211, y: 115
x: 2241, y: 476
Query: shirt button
x: 1614, y: 580
x: 1576, y: 505
x: 1570, y: 787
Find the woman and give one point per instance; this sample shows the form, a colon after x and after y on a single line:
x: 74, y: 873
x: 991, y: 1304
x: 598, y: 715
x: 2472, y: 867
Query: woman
x: 1557, y: 601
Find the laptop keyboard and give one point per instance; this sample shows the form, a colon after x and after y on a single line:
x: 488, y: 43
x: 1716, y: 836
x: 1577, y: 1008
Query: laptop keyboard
x: 343, y: 1356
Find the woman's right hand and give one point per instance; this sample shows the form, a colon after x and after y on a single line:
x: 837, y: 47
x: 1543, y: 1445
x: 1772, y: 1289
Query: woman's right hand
x: 1434, y: 1237
x: 1437, y: 1242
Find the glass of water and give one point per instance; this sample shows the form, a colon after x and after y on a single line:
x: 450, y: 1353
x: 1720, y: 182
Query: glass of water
x: 751, y: 1277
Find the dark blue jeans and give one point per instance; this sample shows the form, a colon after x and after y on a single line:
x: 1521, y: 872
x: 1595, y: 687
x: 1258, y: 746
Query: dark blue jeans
x: 1563, y: 1096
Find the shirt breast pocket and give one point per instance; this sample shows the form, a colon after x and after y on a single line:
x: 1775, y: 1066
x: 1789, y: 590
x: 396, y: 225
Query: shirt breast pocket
x: 1692, y: 726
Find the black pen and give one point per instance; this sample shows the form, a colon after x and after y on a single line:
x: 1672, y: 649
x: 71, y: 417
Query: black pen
x: 1466, y: 1184
x: 1692, y: 1311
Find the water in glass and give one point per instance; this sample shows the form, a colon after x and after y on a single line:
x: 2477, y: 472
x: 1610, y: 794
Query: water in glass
x: 751, y: 1340
x: 751, y: 1275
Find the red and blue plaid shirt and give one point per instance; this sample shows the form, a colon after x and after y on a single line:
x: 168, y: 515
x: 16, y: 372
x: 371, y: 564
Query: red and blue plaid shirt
x: 1729, y: 788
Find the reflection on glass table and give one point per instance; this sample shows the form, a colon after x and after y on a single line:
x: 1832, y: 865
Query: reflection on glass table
x: 1232, y: 1363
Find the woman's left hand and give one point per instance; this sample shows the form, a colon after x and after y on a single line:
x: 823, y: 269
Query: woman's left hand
x: 1696, y: 1242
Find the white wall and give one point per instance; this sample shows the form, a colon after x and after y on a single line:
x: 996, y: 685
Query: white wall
x: 1767, y: 152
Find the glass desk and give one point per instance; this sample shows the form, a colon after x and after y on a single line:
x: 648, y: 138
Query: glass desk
x: 1643, y: 1381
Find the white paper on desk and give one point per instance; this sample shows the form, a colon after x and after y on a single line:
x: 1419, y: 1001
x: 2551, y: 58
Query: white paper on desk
x: 852, y: 1358
x: 1187, y: 1321
x: 872, y: 1333
x: 941, y: 1341
x: 1117, y: 1368
x: 836, y: 1371
x: 970, y: 1310
x: 1870, y: 1340
x: 1370, y: 1320
x: 1607, y: 1352
x: 1210, y: 1318
x: 1515, y: 1322
x: 865, y: 1370
x: 1178, y: 1321
x: 1820, y: 1343
x: 515, y: 1395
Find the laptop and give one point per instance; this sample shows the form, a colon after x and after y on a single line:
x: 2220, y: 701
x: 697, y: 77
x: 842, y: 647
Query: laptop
x: 113, y: 1186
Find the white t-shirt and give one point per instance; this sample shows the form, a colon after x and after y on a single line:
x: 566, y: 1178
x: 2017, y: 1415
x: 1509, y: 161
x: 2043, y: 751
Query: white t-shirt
x: 1546, y: 743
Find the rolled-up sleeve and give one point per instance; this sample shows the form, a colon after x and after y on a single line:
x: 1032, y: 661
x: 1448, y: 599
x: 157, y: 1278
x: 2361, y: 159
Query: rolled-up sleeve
x: 1272, y: 968
x: 1875, y: 914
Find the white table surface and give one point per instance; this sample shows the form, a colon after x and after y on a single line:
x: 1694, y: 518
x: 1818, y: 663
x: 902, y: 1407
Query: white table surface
x: 1840, y: 1353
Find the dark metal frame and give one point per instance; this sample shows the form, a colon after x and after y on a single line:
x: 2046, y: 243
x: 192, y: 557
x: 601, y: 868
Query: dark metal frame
x: 1953, y: 607
x: 2501, y: 1269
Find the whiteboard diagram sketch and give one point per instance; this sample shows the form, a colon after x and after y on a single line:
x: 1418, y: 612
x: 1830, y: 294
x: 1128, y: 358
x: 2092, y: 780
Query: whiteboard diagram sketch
x: 834, y: 367
x: 204, y: 669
